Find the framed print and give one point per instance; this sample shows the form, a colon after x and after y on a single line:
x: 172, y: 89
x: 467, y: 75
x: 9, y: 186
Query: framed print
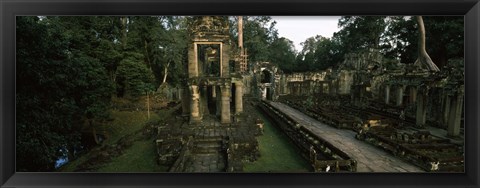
x: 240, y: 93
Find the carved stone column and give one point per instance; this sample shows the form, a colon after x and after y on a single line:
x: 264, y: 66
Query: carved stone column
x: 214, y: 93
x: 446, y: 109
x: 455, y: 116
x: 195, y: 106
x: 330, y: 87
x: 185, y: 92
x: 238, y: 98
x: 421, y: 110
x: 204, y: 101
x: 225, y: 116
x: 400, y: 90
x: 387, y: 94
x: 413, y: 94
x: 192, y: 60
x: 218, y: 103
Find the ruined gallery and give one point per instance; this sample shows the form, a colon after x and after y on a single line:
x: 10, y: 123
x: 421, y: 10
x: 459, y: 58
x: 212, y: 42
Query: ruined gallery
x: 359, y: 117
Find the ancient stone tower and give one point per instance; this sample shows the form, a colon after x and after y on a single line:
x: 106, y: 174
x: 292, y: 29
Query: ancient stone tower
x: 213, y: 87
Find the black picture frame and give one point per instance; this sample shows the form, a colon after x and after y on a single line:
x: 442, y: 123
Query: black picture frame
x: 11, y: 8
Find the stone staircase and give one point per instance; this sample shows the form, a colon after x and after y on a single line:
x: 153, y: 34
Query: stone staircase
x: 208, y: 155
x: 208, y: 145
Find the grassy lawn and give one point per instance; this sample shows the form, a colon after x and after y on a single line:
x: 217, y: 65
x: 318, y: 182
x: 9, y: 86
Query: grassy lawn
x: 125, y: 123
x: 141, y: 157
x: 277, y: 153
x: 72, y: 165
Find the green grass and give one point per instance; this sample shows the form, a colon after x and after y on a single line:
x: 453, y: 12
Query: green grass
x: 138, y: 158
x: 72, y: 165
x: 126, y: 123
x: 278, y: 154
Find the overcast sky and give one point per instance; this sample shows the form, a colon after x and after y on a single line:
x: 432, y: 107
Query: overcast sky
x: 299, y: 28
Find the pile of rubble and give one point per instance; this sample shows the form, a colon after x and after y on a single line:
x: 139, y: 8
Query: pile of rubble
x: 419, y: 147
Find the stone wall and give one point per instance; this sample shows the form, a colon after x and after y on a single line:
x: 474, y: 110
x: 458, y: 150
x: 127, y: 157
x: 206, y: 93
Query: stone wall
x: 345, y: 80
x: 299, y: 77
x: 320, y: 152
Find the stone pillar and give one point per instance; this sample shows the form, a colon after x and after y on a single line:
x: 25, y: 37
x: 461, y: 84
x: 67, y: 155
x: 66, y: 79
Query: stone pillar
x: 446, y: 110
x: 214, y: 94
x: 218, y: 102
x: 238, y: 98
x: 413, y: 94
x: 225, y: 59
x: 387, y: 94
x: 455, y: 116
x: 204, y: 101
x: 194, y: 106
x: 400, y: 95
x: 185, y: 101
x: 192, y: 60
x: 330, y: 87
x: 421, y: 110
x: 335, y: 87
x: 294, y: 88
x: 225, y: 116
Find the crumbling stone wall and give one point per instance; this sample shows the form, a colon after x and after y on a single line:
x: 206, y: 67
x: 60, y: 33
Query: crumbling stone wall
x: 266, y: 89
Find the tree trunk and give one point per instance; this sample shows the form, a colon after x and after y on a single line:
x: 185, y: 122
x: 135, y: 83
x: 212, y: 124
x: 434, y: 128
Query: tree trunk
x: 240, y: 33
x: 146, y: 54
x: 124, y: 32
x: 165, y: 72
x: 148, y: 106
x: 424, y: 61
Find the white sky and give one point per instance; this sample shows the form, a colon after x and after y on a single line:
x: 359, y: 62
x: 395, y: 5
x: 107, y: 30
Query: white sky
x: 299, y: 28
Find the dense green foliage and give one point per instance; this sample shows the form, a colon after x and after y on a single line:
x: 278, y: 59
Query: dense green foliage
x: 282, y: 53
x: 133, y: 77
x: 57, y: 86
x: 69, y: 68
x: 395, y: 36
x: 318, y: 53
x: 444, y: 38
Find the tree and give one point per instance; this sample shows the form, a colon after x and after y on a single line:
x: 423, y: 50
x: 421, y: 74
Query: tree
x: 443, y: 35
x: 108, y: 47
x: 361, y: 32
x: 58, y: 85
x: 258, y: 33
x: 424, y: 59
x: 163, y: 42
x: 318, y: 53
x: 282, y: 53
x: 173, y: 49
x: 325, y: 54
x: 133, y: 76
x: 400, y: 39
x: 445, y: 38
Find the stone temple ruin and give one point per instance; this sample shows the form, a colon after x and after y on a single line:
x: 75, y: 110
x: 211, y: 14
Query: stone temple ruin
x: 215, y: 135
x: 211, y: 82
x: 413, y: 114
x: 405, y: 110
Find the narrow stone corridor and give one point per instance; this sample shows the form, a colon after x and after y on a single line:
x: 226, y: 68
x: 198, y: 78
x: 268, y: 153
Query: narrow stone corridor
x: 369, y: 158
